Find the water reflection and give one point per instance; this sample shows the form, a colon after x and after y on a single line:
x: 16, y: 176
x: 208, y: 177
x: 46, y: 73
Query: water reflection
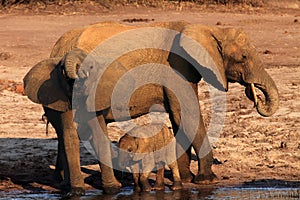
x: 255, y: 193
x: 209, y: 194
x: 127, y: 193
x: 191, y: 194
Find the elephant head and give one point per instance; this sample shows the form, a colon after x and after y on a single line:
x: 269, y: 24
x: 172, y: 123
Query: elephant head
x: 135, y: 149
x: 234, y: 59
x: 72, y: 61
x: 127, y: 146
x: 50, y: 83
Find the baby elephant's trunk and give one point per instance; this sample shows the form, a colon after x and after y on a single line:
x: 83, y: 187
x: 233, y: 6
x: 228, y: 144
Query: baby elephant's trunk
x: 126, y: 144
x: 122, y: 163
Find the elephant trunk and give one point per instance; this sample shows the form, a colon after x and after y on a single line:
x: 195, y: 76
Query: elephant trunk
x: 123, y: 160
x: 267, y: 105
x: 70, y: 69
x: 72, y: 61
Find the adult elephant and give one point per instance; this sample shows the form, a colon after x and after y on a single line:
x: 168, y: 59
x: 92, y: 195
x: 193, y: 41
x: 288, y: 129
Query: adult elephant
x: 194, y: 51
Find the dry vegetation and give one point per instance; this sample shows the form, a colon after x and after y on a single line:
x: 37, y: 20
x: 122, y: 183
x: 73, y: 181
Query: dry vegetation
x: 111, y: 3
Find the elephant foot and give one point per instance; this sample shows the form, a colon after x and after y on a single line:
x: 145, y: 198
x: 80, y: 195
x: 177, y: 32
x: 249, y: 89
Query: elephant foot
x: 159, y: 186
x: 113, y: 189
x: 74, y: 192
x: 205, y: 179
x: 64, y: 186
x: 57, y: 176
x: 187, y: 177
x: 137, y: 188
x: 177, y: 185
x: 146, y: 187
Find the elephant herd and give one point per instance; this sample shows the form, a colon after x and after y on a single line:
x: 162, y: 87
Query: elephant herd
x: 108, y: 72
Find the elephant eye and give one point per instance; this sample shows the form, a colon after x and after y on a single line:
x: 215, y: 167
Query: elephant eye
x: 129, y: 149
x: 91, y: 67
x: 244, y: 57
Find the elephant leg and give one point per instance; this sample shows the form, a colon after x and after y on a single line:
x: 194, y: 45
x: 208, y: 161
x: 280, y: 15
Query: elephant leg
x: 177, y: 184
x: 145, y: 182
x: 61, y: 167
x: 61, y: 160
x: 183, y: 146
x: 61, y: 172
x: 101, y: 144
x: 135, y: 168
x: 159, y: 183
x: 204, y: 154
x: 137, y: 187
x: 71, y: 144
x: 184, y: 161
x: 199, y: 140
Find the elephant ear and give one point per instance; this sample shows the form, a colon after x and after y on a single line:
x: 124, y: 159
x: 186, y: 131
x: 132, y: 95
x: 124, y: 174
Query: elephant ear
x: 42, y: 85
x: 204, y: 49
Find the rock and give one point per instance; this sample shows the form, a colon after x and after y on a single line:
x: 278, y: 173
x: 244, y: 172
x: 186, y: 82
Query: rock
x: 19, y: 89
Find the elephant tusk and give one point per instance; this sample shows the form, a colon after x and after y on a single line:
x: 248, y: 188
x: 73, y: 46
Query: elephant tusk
x: 254, y: 94
x: 87, y: 74
x: 83, y: 74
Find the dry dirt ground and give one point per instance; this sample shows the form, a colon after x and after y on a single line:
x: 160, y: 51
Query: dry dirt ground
x: 251, y: 150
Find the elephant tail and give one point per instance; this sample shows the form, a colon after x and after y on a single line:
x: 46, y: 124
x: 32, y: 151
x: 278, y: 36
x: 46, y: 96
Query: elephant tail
x: 45, y: 119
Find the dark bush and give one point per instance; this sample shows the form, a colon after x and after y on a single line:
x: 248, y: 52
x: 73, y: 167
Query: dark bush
x: 7, y: 3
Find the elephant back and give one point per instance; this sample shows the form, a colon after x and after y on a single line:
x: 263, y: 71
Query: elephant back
x: 89, y: 37
x: 172, y: 25
x: 66, y: 42
x: 157, y: 135
x: 95, y: 34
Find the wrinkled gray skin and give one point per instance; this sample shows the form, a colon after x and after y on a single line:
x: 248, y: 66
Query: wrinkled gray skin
x: 146, y: 147
x: 233, y: 56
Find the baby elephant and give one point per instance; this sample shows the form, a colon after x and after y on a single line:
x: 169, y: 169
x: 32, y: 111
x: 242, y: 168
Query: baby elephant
x: 146, y: 147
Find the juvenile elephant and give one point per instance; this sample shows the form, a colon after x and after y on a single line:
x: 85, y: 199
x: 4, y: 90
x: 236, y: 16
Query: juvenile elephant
x: 149, y: 146
x: 218, y: 55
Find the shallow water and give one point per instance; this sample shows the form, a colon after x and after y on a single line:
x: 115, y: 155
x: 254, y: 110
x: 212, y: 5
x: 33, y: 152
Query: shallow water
x: 193, y: 194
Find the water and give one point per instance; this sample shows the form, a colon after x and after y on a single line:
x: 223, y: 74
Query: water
x: 191, y: 194
x: 255, y: 193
